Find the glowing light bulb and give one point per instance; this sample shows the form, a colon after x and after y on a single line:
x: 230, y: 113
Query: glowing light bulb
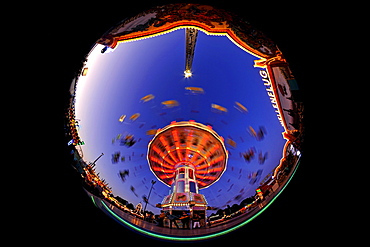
x: 187, y: 73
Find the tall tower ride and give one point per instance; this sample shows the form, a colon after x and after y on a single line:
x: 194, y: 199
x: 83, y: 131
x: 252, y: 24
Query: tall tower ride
x: 191, y: 40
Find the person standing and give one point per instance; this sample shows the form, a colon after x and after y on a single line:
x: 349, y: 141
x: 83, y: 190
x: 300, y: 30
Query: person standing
x: 202, y: 220
x: 173, y: 219
x: 161, y: 219
x: 196, y: 220
x: 185, y: 218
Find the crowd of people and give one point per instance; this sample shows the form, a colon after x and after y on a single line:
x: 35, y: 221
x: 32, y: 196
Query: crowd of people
x: 186, y: 220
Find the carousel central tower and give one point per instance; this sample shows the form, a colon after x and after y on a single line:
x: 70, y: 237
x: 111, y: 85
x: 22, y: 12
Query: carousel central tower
x: 187, y: 156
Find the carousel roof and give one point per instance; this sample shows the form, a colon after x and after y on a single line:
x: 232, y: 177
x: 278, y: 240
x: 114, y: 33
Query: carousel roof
x: 190, y: 142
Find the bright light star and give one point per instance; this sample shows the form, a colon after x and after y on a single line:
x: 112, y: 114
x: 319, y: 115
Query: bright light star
x: 187, y: 73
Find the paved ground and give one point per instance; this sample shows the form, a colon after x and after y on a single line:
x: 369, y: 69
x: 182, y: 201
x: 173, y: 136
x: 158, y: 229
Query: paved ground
x: 174, y: 231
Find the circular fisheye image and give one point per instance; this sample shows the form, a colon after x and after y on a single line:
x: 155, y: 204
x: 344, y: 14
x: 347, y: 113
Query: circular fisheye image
x: 184, y: 122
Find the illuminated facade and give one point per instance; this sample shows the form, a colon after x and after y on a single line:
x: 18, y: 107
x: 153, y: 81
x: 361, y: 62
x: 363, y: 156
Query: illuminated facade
x: 184, y: 191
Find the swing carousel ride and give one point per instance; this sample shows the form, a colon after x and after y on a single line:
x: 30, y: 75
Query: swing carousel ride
x: 184, y: 109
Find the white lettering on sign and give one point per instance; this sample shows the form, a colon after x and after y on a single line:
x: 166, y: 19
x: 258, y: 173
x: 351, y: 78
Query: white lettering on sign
x: 271, y: 94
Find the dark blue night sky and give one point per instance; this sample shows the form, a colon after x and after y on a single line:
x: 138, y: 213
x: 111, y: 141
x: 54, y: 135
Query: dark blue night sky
x: 117, y: 80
